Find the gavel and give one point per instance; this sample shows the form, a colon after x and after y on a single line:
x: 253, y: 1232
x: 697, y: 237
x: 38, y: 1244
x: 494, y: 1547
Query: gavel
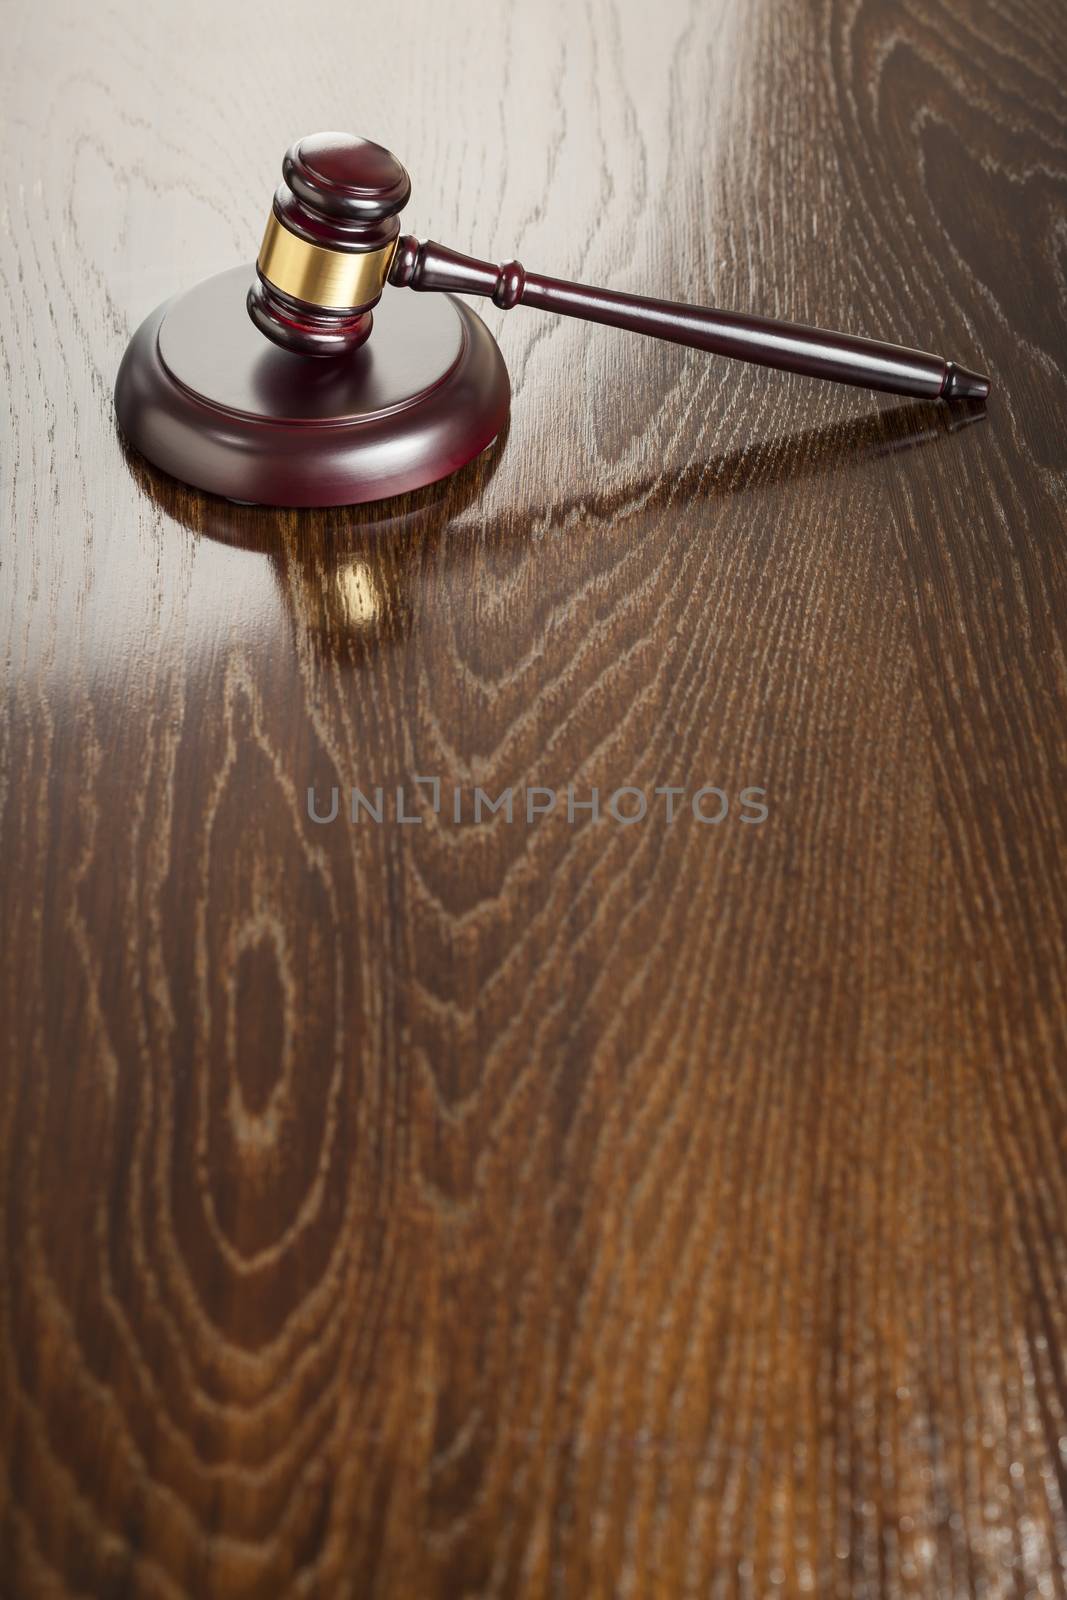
x: 356, y: 395
x: 333, y: 243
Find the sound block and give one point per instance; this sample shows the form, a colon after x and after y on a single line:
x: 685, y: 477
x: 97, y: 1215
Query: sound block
x: 203, y: 395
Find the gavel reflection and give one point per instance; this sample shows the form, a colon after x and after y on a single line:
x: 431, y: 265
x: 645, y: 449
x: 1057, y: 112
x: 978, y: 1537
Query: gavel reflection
x: 350, y: 577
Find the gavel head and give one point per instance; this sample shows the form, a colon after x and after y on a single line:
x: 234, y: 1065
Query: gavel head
x: 329, y: 244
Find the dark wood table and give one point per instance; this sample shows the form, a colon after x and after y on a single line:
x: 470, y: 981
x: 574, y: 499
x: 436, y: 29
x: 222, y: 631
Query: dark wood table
x: 566, y: 1207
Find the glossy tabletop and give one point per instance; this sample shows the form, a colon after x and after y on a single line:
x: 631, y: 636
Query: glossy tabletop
x: 564, y: 1207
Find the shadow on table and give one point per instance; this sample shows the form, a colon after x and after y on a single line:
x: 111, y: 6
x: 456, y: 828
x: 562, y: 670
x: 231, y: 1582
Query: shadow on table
x: 347, y: 573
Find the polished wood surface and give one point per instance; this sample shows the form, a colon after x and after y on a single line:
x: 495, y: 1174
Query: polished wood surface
x: 563, y: 1210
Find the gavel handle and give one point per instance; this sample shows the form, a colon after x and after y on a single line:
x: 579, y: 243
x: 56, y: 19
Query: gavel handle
x: 789, y: 346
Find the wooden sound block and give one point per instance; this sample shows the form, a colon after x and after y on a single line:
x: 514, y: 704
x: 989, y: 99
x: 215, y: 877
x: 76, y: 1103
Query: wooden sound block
x: 205, y: 397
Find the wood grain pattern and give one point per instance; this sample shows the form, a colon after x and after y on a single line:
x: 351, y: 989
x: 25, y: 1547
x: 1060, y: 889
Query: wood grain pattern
x: 559, y: 1210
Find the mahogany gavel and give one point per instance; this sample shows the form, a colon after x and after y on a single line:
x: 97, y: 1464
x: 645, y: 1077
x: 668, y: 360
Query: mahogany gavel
x: 201, y: 395
x: 333, y: 242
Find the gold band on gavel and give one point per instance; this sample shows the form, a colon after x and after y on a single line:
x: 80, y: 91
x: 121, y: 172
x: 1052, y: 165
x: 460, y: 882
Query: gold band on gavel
x: 333, y: 278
